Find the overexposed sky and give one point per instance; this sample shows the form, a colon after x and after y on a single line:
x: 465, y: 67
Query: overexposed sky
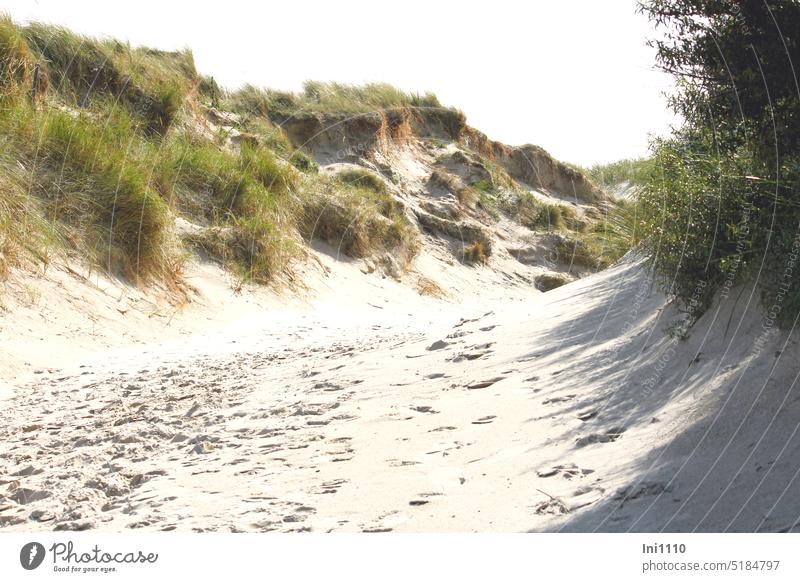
x: 573, y: 76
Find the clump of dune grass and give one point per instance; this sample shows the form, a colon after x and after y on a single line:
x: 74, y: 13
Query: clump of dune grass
x: 577, y: 253
x: 87, y: 177
x: 362, y: 178
x: 318, y: 97
x: 26, y: 237
x: 427, y: 287
x: 357, y: 221
x: 540, y: 216
x: 619, y: 229
x: 549, y: 281
x: 17, y: 61
x: 105, y: 174
x: 476, y: 253
x: 82, y: 69
x: 244, y: 199
x: 274, y: 138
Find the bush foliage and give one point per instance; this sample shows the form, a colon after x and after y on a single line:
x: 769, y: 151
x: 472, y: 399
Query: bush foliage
x: 721, y: 199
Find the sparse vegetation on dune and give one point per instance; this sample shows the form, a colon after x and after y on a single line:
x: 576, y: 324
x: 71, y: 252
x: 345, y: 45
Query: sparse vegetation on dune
x: 362, y: 178
x: 356, y: 220
x: 318, y: 97
x: 537, y: 215
x: 335, y: 100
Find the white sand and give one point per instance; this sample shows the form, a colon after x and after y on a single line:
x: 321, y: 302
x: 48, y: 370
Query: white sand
x: 258, y: 412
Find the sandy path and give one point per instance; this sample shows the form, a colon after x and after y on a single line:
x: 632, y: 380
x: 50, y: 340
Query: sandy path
x: 508, y: 417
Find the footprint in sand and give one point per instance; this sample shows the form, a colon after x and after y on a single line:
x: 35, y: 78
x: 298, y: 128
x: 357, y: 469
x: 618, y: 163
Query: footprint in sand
x: 484, y: 383
x: 566, y: 471
x: 330, y: 487
x: 400, y: 463
x: 24, y: 496
x: 457, y: 334
x: 557, y: 399
x: 584, y: 496
x: 425, y: 409
x: 643, y: 489
x: 327, y: 387
x: 437, y: 345
x: 469, y: 356
x: 608, y: 437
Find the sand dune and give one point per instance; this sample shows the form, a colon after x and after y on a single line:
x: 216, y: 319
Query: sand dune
x: 572, y: 410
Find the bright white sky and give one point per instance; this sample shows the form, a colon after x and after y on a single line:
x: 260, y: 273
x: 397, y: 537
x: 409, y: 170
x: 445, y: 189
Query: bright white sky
x: 573, y: 76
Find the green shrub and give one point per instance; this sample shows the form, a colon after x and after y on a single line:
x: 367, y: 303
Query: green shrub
x: 703, y: 218
x: 721, y: 204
